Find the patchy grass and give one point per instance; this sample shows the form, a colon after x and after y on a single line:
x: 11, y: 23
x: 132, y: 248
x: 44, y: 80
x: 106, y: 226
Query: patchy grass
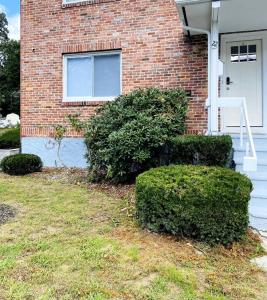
x: 73, y: 242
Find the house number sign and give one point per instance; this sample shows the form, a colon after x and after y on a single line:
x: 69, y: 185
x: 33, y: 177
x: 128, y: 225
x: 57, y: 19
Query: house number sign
x: 215, y: 44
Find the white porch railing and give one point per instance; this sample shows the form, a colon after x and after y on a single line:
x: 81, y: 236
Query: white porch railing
x: 250, y: 159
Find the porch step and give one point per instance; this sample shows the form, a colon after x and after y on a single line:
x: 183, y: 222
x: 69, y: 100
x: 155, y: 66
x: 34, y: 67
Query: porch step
x: 258, y: 213
x: 258, y: 179
x: 239, y: 166
x: 262, y: 163
x: 258, y: 206
x: 259, y: 193
x: 257, y: 176
x: 260, y: 141
x: 261, y: 155
x: 258, y: 223
x: 258, y: 202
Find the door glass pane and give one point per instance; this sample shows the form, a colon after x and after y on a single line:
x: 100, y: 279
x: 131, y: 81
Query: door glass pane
x: 107, y: 75
x: 234, y: 58
x: 243, y: 57
x: 234, y: 50
x: 234, y: 54
x: 243, y: 49
x: 252, y: 57
x: 79, y: 77
x: 252, y: 48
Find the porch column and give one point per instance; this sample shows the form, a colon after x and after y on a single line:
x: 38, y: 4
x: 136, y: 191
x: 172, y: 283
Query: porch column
x: 214, y: 128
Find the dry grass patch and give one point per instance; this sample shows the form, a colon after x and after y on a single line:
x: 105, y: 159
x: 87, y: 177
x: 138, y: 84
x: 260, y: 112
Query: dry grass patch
x: 69, y: 241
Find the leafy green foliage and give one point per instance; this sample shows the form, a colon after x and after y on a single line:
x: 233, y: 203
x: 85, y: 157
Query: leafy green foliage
x: 128, y: 135
x: 9, y: 77
x: 21, y: 164
x: 3, y: 27
x: 201, y: 150
x: 206, y: 203
x: 10, y: 139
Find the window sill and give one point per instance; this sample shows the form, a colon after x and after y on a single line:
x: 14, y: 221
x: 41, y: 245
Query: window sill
x: 92, y: 102
x: 86, y: 2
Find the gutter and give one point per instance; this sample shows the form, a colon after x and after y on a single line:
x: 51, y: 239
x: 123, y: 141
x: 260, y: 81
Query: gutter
x: 186, y: 21
x: 192, y: 2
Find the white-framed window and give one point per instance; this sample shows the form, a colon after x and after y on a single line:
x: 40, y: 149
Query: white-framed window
x: 73, y: 1
x: 91, y: 76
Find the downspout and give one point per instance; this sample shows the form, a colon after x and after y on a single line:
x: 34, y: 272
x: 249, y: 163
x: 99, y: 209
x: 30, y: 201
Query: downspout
x: 208, y: 102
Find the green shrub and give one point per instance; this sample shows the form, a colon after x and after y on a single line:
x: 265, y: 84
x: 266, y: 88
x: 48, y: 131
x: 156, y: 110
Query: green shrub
x: 206, y: 203
x: 128, y: 134
x: 10, y: 139
x: 201, y: 150
x: 21, y: 164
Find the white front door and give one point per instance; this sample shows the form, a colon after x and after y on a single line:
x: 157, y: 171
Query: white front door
x: 243, y: 78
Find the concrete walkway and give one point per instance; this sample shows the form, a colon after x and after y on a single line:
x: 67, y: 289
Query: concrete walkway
x: 261, y: 262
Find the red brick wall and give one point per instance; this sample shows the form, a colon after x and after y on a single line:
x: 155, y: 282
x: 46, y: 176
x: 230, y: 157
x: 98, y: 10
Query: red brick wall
x: 155, y: 52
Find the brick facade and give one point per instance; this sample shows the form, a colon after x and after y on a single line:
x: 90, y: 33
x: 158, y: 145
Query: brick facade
x: 155, y: 52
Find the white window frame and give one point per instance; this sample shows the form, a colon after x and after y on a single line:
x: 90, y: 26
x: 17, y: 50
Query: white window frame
x: 73, y: 1
x: 88, y: 55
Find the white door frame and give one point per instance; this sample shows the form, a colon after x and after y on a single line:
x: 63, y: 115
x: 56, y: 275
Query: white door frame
x: 247, y: 36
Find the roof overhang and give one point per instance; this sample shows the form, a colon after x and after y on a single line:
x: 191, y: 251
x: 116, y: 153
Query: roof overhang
x: 234, y: 15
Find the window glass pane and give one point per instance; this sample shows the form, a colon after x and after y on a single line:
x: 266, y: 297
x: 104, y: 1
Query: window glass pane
x: 79, y: 75
x: 107, y: 75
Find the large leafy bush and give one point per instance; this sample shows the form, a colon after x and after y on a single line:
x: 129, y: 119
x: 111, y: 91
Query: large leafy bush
x: 206, y: 203
x: 10, y: 139
x: 127, y: 136
x: 21, y: 164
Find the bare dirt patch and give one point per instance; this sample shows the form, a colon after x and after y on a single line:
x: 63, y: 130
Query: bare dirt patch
x: 6, y: 212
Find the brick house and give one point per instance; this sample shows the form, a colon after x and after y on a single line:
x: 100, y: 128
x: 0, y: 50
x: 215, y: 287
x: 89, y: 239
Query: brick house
x: 141, y: 42
x: 77, y: 54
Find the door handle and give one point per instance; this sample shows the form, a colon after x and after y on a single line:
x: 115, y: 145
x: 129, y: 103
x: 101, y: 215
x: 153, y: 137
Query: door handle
x: 228, y: 81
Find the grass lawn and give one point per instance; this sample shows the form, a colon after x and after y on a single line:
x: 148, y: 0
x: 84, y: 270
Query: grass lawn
x: 69, y: 241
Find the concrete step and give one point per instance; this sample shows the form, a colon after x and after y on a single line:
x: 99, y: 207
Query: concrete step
x: 260, y: 193
x: 259, y: 148
x: 261, y: 161
x: 257, y: 176
x: 259, y: 184
x: 259, y: 141
x: 261, y: 155
x: 239, y: 167
x: 258, y: 207
x: 259, y: 179
x: 258, y: 213
x: 258, y: 223
x: 258, y: 202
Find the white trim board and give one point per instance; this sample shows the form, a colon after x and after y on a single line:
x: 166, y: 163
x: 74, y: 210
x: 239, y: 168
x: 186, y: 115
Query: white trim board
x: 257, y: 35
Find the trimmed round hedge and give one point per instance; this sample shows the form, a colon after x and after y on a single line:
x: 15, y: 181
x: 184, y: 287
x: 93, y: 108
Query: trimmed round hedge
x: 209, y: 204
x: 201, y: 150
x: 21, y: 164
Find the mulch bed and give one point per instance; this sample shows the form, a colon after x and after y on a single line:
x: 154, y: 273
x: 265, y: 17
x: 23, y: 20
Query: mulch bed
x: 6, y: 212
x: 80, y: 177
